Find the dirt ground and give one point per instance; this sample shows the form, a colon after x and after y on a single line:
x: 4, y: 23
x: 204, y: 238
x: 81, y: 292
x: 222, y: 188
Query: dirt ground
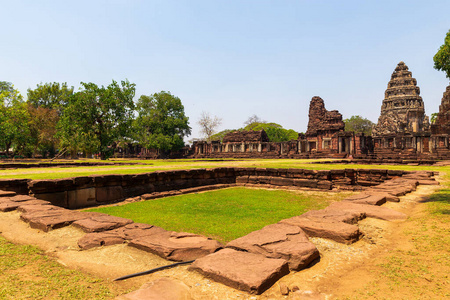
x: 343, y: 272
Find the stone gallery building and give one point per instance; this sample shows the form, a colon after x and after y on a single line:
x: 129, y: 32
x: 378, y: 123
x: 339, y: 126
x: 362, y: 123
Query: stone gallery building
x: 403, y: 131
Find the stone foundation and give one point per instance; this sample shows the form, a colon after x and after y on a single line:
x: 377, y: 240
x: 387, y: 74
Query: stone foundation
x: 101, y: 189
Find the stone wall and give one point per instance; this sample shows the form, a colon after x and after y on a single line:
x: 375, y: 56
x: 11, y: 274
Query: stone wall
x: 101, y: 189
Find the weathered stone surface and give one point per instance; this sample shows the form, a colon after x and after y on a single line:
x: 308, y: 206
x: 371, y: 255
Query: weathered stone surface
x: 108, y: 193
x: 13, y: 205
x: 322, y: 120
x: 97, y: 222
x: 28, y: 208
x: 367, y: 194
x: 428, y: 182
x: 81, y: 197
x: 98, y: 239
x: 245, y: 271
x: 337, y: 231
x: 138, y: 230
x: 309, y: 183
x: 393, y: 190
x: 368, y: 198
x: 371, y: 211
x: 6, y: 193
x: 177, y: 246
x: 160, y: 289
x: 334, y: 215
x: 6, y: 206
x: 58, y: 198
x: 19, y: 198
x: 52, y: 219
x: 442, y: 122
x: 279, y: 241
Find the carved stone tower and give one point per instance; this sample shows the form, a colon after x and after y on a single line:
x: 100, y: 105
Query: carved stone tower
x: 402, y: 111
x: 442, y: 124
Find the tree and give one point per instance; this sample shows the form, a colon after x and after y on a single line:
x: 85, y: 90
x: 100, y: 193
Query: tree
x: 43, y: 130
x: 359, y: 124
x: 8, y: 94
x: 50, y: 95
x: 253, y: 119
x: 442, y: 57
x: 434, y: 118
x: 161, y: 123
x: 208, y: 124
x: 14, y: 126
x: 45, y: 104
x: 96, y: 117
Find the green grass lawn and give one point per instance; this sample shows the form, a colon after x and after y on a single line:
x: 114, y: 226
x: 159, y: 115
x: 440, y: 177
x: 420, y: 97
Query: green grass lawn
x: 159, y: 165
x: 223, y: 214
x: 27, y: 273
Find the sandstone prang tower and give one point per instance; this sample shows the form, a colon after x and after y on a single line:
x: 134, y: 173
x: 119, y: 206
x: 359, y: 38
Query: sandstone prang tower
x: 402, y: 111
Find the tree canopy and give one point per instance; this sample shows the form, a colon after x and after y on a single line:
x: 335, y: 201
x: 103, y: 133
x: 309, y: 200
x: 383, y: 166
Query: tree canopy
x: 161, y: 122
x: 359, y: 124
x: 442, y: 57
x: 8, y: 94
x: 50, y: 95
x: 96, y: 117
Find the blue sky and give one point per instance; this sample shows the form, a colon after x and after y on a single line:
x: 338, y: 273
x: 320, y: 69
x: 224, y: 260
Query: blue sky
x: 232, y: 59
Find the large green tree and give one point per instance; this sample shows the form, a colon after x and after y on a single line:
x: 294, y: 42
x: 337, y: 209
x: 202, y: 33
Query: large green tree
x: 161, y: 122
x: 8, y: 94
x: 46, y: 103
x: 442, y: 57
x: 14, y: 127
x: 14, y: 120
x: 96, y: 117
x: 359, y: 124
x: 50, y: 95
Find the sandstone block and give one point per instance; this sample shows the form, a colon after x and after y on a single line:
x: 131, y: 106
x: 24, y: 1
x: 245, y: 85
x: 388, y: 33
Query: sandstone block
x: 51, y: 219
x: 279, y: 241
x: 336, y: 231
x: 245, y: 271
x: 98, y: 239
x: 334, y: 215
x: 97, y: 222
x: 368, y: 198
x: 81, y: 198
x: 310, y: 183
x: 6, y: 193
x: 371, y: 211
x: 281, y: 181
x: 177, y: 246
x: 109, y: 193
x: 58, y: 199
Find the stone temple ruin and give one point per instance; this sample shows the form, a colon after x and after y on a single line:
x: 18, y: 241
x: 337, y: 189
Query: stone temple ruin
x: 403, y: 131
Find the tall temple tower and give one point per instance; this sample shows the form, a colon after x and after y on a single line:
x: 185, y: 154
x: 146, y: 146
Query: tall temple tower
x: 402, y: 111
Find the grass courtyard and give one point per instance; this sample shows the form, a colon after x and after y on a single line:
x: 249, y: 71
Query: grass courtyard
x: 223, y: 214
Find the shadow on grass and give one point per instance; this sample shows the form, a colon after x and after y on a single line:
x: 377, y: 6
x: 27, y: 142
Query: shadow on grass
x: 442, y: 199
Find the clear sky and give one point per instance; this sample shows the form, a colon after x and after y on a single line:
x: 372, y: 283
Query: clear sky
x: 231, y: 58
